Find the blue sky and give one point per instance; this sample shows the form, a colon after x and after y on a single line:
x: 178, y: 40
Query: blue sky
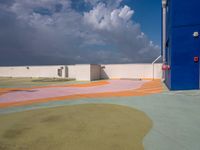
x: 79, y: 31
x: 148, y: 14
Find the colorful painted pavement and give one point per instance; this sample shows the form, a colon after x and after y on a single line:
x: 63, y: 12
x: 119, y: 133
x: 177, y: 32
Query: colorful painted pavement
x: 111, y: 88
x: 174, y: 115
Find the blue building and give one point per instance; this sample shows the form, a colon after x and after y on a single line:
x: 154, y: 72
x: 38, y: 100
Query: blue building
x: 181, y: 44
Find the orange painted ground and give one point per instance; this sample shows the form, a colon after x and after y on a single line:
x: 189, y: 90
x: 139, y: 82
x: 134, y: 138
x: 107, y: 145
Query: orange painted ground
x: 151, y: 87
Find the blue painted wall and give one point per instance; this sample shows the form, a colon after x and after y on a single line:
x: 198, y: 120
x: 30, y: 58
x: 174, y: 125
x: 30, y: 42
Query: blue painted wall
x: 182, y: 21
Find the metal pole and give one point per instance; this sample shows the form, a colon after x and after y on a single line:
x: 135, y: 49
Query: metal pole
x: 164, y: 13
x: 164, y: 10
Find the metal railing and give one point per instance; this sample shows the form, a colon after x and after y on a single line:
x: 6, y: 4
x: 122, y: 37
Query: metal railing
x: 153, y: 63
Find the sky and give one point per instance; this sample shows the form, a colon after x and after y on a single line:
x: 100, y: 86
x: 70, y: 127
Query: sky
x: 51, y: 32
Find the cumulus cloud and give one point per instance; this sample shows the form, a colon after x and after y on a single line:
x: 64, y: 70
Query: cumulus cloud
x: 53, y: 32
x: 109, y: 3
x: 101, y: 17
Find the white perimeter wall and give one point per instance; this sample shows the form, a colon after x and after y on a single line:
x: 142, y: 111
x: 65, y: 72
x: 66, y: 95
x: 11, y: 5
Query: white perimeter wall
x: 71, y: 71
x: 86, y: 72
x: 135, y: 71
x: 32, y: 71
x: 82, y: 72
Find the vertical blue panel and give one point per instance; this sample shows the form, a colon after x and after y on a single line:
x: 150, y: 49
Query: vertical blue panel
x: 182, y: 21
x: 184, y: 47
x: 185, y: 12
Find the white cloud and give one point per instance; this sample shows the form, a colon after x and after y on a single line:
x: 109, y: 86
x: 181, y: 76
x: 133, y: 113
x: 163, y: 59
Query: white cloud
x: 105, y: 34
x: 110, y: 3
x: 115, y: 26
x: 102, y: 17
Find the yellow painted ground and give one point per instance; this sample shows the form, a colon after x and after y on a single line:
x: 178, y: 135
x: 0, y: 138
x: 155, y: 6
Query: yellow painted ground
x: 79, y: 127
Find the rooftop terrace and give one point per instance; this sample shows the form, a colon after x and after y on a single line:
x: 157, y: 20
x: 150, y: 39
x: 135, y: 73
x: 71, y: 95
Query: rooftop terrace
x: 40, y: 113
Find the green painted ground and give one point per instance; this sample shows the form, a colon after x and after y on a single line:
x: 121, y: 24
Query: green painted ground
x: 79, y: 127
x: 31, y: 82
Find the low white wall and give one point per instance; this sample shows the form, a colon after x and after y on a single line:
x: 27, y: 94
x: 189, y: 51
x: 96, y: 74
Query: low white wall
x: 33, y: 71
x: 158, y: 73
x: 82, y: 72
x: 132, y: 71
x: 86, y: 72
x: 71, y: 71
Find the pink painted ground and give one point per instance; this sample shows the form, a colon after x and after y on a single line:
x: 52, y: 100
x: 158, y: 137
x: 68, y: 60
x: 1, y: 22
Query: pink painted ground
x: 40, y: 93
